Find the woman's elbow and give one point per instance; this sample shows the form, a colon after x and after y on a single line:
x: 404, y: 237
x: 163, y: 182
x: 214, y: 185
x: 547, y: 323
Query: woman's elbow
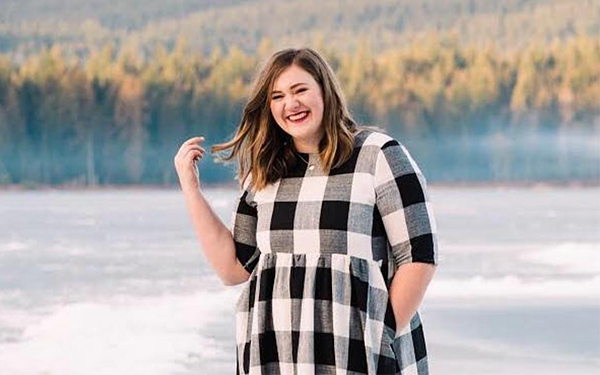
x: 238, y: 275
x: 231, y: 282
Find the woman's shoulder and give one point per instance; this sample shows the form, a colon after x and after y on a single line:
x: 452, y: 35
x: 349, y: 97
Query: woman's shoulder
x: 374, y: 138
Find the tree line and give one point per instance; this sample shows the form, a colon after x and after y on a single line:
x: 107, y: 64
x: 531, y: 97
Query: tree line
x: 118, y: 115
x: 81, y: 25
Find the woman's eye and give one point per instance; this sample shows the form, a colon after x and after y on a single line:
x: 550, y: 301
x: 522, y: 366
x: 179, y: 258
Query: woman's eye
x: 302, y: 89
x: 276, y: 97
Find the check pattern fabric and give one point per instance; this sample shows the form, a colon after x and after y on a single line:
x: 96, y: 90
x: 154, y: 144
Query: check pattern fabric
x: 322, y: 250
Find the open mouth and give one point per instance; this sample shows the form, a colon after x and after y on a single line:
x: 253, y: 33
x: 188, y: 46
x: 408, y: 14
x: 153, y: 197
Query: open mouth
x: 298, y: 117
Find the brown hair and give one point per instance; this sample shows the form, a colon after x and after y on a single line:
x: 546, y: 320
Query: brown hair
x: 263, y: 148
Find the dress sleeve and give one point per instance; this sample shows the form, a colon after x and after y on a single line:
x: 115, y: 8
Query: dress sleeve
x: 404, y: 206
x: 243, y: 228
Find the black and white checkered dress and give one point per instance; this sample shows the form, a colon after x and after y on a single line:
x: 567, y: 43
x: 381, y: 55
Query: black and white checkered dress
x: 322, y: 250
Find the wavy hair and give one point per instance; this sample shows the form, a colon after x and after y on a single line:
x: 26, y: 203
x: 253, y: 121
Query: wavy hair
x: 262, y: 148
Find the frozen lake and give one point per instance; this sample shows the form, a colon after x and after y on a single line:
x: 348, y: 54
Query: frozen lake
x: 114, y: 282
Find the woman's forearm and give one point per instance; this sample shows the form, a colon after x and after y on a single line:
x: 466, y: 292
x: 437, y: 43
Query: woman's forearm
x: 215, y: 238
x: 407, y: 290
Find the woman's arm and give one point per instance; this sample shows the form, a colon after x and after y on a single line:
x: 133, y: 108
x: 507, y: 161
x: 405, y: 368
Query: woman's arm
x: 215, y: 239
x: 407, y: 290
x: 407, y: 215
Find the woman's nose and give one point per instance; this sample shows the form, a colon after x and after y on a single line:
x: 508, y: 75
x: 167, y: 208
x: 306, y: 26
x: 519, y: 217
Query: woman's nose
x: 291, y: 102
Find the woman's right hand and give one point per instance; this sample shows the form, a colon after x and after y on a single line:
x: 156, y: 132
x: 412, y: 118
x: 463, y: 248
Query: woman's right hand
x: 185, y: 163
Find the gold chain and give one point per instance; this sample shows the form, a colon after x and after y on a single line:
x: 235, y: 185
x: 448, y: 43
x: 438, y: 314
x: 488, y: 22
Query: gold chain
x: 302, y: 158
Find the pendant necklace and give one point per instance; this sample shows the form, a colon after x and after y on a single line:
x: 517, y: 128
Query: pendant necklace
x: 311, y: 166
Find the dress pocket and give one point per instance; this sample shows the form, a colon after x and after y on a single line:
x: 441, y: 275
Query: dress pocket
x: 389, y: 319
x: 243, y: 296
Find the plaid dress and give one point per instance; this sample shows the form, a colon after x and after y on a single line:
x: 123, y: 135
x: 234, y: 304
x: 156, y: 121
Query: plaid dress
x: 322, y: 250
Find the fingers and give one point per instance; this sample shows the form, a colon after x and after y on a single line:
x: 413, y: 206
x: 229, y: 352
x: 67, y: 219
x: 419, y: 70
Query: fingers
x: 194, y: 147
x: 195, y: 155
x: 197, y: 149
x: 191, y: 144
x: 193, y: 140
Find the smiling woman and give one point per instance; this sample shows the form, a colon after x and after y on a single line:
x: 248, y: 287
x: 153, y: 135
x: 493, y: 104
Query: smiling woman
x: 333, y: 233
x: 268, y: 140
x: 297, y: 106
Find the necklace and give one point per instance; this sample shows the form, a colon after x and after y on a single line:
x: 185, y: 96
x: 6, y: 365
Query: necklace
x: 311, y: 166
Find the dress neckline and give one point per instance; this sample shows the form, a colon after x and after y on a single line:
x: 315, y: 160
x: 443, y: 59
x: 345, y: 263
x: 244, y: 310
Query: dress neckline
x: 306, y: 155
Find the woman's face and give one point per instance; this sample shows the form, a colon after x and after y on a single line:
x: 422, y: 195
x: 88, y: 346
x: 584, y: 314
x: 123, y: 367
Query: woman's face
x: 297, y: 106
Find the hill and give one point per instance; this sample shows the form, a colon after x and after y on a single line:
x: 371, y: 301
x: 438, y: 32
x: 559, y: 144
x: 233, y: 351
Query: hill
x: 81, y: 25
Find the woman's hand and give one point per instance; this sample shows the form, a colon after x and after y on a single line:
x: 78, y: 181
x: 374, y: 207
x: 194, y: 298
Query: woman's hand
x: 185, y: 163
x: 407, y: 291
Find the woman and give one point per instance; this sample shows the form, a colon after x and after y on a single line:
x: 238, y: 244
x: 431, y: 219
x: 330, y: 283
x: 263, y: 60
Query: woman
x: 333, y: 231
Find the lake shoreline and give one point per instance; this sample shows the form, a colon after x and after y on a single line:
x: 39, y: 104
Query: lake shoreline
x: 233, y: 185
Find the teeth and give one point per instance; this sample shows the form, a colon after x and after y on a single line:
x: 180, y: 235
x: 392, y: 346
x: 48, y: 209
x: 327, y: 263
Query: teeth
x: 298, y: 116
